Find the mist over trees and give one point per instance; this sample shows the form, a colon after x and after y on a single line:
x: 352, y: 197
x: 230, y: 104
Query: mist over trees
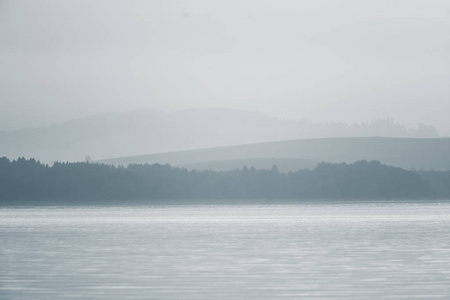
x: 29, y: 181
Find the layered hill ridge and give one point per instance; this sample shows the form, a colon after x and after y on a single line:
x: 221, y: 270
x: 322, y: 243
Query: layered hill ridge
x: 145, y: 131
x: 407, y: 153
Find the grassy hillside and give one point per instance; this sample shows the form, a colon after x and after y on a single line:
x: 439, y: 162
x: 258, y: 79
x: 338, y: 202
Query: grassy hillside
x: 138, y: 132
x: 283, y: 164
x: 401, y: 152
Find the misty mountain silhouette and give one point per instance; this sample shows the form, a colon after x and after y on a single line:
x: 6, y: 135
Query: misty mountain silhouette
x: 407, y: 153
x: 146, y: 131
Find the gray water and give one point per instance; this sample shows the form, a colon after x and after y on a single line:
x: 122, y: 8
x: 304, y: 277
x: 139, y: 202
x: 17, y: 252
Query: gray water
x: 308, y: 251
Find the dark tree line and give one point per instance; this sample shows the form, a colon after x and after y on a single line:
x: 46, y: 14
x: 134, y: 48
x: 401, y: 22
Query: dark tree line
x: 28, y: 179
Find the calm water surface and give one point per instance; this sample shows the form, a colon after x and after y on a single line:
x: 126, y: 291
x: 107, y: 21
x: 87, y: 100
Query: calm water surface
x: 308, y: 251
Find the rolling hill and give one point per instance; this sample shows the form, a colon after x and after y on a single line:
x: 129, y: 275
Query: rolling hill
x: 115, y: 134
x: 407, y: 153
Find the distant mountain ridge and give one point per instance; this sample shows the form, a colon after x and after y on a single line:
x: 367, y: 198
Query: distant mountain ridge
x: 145, y: 131
x: 407, y: 153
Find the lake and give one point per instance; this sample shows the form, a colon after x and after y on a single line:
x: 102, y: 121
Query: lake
x: 309, y: 250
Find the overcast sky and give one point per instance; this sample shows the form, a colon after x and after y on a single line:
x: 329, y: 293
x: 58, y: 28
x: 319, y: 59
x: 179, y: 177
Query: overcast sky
x: 336, y: 60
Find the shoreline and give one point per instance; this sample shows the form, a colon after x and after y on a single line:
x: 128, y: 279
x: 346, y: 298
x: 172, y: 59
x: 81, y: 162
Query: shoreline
x: 216, y: 202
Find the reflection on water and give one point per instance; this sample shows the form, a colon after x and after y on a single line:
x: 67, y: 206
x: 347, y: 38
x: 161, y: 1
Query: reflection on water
x: 323, y: 250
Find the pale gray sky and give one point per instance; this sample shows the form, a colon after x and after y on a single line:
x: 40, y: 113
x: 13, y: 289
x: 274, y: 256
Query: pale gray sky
x: 336, y: 60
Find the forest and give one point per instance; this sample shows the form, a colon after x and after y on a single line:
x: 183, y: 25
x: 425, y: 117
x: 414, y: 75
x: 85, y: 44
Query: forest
x: 29, y: 181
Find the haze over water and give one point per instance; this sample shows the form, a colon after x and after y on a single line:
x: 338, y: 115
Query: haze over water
x: 248, y: 99
x: 312, y: 250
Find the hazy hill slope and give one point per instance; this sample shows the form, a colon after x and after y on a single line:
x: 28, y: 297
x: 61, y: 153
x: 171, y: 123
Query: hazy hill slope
x: 401, y: 152
x: 283, y: 164
x: 137, y: 132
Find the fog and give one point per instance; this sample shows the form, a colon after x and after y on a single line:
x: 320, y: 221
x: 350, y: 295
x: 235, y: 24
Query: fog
x: 139, y: 132
x: 234, y: 149
x: 326, y: 61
